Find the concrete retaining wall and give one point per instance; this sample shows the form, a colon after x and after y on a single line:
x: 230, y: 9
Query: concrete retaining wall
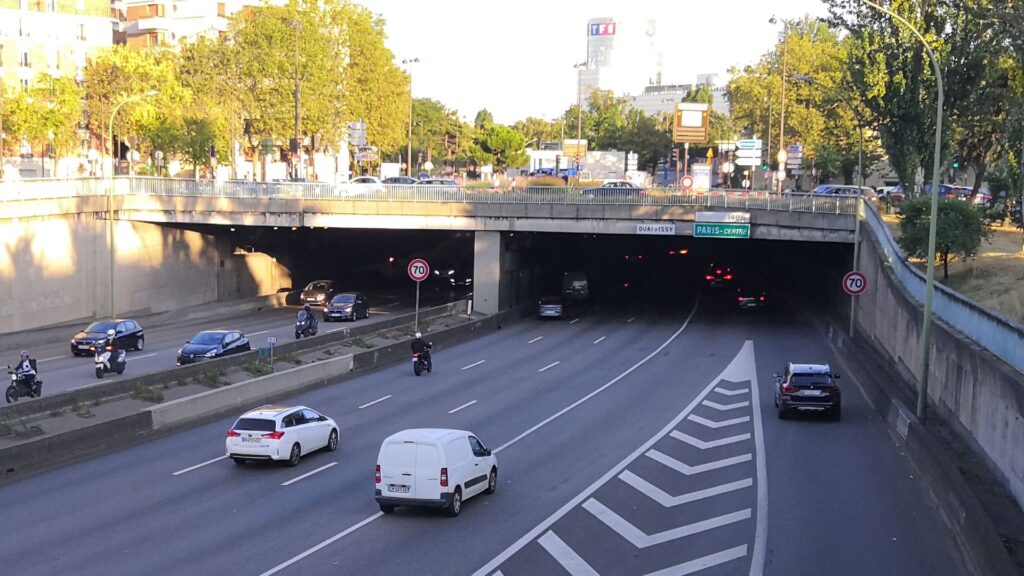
x: 972, y: 390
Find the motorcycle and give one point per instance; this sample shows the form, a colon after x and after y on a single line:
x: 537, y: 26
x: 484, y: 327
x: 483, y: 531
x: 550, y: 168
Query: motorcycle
x: 421, y: 362
x: 305, y: 325
x: 104, y: 364
x: 19, y: 387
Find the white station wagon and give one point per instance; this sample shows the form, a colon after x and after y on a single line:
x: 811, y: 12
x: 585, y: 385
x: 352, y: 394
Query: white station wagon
x: 434, y: 468
x: 280, y: 433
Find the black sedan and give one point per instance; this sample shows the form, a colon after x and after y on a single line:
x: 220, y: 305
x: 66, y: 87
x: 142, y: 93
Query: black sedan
x: 129, y: 336
x: 614, y: 189
x: 212, y: 344
x: 751, y: 298
x: 347, y: 306
x: 718, y: 275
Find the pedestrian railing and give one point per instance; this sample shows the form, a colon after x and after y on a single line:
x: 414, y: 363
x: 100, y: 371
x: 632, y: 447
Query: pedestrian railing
x: 1000, y: 335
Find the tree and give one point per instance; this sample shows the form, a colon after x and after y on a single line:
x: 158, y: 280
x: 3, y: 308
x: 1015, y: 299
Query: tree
x: 646, y: 135
x: 505, y: 146
x: 49, y: 113
x: 537, y: 130
x: 959, y: 231
x: 484, y: 120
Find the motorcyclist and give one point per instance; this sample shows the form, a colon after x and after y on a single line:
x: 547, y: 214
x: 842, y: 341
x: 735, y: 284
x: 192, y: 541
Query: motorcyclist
x: 310, y: 318
x: 110, y: 346
x: 422, y: 347
x: 25, y: 371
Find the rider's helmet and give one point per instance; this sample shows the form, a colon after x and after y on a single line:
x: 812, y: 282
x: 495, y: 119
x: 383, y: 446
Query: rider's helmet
x: 418, y: 335
x: 306, y: 308
x: 24, y: 354
x: 111, y: 333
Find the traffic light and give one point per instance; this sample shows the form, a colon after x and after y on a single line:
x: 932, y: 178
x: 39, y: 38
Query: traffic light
x: 764, y: 166
x: 675, y: 155
x: 956, y: 163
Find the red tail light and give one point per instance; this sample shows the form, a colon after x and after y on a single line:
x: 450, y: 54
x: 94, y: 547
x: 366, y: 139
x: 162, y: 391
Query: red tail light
x: 376, y: 475
x: 761, y: 298
x: 728, y: 276
x: 274, y: 435
x: 233, y: 434
x: 444, y: 477
x: 709, y: 277
x: 719, y: 271
x: 788, y: 389
x: 740, y: 299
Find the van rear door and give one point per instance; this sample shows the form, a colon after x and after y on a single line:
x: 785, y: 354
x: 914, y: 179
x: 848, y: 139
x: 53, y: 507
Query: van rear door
x: 398, y: 469
x: 428, y: 472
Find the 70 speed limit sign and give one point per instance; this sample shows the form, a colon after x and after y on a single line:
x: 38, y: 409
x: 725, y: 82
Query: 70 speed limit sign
x: 855, y: 283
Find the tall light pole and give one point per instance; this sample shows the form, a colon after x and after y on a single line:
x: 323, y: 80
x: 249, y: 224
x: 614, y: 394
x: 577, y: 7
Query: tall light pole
x: 110, y: 190
x: 580, y: 67
x: 3, y: 136
x: 782, y: 113
x: 929, y: 290
x: 295, y: 24
x: 408, y: 158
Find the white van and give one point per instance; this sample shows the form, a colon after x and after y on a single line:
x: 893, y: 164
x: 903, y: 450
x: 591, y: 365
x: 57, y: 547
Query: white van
x: 433, y: 467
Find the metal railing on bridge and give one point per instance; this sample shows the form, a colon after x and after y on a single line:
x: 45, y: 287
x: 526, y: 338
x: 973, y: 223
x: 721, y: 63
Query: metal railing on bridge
x: 148, y: 186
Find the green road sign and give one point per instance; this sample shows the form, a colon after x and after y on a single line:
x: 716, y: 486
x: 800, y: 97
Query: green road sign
x: 720, y: 230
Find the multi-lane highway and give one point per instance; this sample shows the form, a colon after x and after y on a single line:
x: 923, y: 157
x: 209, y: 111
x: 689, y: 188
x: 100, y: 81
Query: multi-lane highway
x: 60, y: 371
x: 628, y: 442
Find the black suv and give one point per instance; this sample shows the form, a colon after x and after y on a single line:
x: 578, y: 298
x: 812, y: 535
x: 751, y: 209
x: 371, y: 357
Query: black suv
x: 808, y: 388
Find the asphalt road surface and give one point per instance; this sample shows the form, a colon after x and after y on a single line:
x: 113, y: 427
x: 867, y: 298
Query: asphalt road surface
x: 627, y: 442
x: 60, y: 371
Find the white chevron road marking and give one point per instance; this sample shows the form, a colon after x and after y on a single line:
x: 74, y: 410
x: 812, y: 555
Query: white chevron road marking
x: 703, y: 562
x: 565, y: 555
x: 663, y: 498
x: 691, y: 470
x: 724, y: 407
x: 704, y: 445
x: 640, y: 539
x: 716, y: 424
x: 728, y: 392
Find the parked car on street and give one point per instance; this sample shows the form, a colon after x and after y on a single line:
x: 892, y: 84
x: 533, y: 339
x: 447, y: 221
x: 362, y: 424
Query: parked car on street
x: 400, y: 180
x: 212, y: 344
x: 282, y: 433
x: 129, y: 336
x: 614, y: 189
x: 347, y: 306
x: 317, y: 292
x: 808, y: 388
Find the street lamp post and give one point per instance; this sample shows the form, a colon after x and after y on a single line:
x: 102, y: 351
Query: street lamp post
x: 580, y: 67
x: 782, y: 113
x: 295, y: 152
x: 110, y: 190
x: 929, y: 291
x: 408, y: 157
x: 3, y: 137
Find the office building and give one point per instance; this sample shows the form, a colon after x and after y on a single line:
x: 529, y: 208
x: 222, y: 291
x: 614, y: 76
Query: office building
x: 622, y: 55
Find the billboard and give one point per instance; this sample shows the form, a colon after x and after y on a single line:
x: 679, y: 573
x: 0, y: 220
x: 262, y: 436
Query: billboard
x: 602, y: 29
x: 691, y: 123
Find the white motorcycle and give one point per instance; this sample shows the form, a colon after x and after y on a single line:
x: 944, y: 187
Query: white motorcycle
x: 104, y: 365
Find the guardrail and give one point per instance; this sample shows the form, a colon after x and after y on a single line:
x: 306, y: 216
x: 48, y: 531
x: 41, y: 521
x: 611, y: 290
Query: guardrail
x: 149, y: 186
x: 998, y: 334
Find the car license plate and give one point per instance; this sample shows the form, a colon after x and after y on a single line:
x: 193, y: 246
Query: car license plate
x: 398, y: 488
x: 85, y: 346
x: 250, y: 440
x: 811, y: 393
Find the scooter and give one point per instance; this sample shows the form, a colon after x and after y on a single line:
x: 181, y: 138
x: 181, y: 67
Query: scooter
x: 19, y: 387
x: 105, y: 366
x: 305, y: 325
x: 421, y: 362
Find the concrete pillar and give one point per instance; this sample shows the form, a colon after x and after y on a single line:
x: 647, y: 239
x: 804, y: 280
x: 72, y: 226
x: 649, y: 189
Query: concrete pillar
x: 489, y: 278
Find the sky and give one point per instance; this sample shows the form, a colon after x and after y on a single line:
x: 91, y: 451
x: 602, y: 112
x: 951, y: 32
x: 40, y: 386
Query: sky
x: 516, y: 58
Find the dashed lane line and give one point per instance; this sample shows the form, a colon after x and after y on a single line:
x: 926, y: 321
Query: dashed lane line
x: 308, y: 474
x: 598, y: 341
x: 200, y: 465
x: 466, y: 405
x: 473, y: 364
x: 130, y: 358
x: 535, y: 339
x: 575, y: 320
x: 549, y: 366
x: 91, y: 385
x: 368, y: 404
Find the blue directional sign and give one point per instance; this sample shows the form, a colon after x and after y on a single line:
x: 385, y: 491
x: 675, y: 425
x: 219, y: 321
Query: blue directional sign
x: 748, y: 144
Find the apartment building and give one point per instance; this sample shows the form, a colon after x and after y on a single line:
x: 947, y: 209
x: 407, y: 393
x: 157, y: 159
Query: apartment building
x: 155, y: 22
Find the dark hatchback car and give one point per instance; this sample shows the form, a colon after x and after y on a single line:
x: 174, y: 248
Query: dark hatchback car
x: 347, y: 306
x: 718, y: 275
x: 549, y: 307
x: 212, y: 344
x: 317, y: 292
x: 808, y: 388
x: 751, y: 298
x: 129, y: 336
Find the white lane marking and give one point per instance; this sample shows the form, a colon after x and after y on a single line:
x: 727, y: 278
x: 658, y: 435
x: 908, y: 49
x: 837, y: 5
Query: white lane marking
x: 565, y: 556
x: 535, y: 339
x: 48, y: 359
x: 308, y: 474
x: 599, y: 339
x: 761, y: 527
x: 258, y: 333
x: 724, y: 407
x: 640, y: 539
x: 732, y: 392
x: 716, y: 424
x: 663, y: 498
x: 704, y: 445
x: 575, y: 320
x: 332, y: 331
x: 630, y: 320
x: 322, y: 545
x: 200, y: 465
x: 130, y: 358
x: 466, y: 405
x: 91, y: 385
x: 552, y: 365
x: 702, y: 562
x: 691, y: 470
x: 474, y: 364
x: 368, y: 404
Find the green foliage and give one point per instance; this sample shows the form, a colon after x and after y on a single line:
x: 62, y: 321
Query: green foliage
x: 546, y: 181
x: 959, y: 230
x: 52, y: 107
x: 646, y: 135
x: 484, y: 120
x: 147, y: 394
x: 505, y: 146
x: 257, y: 369
x: 211, y: 378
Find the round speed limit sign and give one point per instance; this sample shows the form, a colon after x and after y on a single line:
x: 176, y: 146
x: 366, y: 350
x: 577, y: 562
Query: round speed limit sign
x: 854, y: 283
x: 419, y: 270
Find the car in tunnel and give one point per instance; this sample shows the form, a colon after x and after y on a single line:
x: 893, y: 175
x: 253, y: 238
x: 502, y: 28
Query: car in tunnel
x: 751, y: 298
x: 549, y: 307
x: 808, y: 388
x: 317, y: 292
x: 718, y: 275
x: 212, y: 344
x: 347, y: 306
x: 129, y: 336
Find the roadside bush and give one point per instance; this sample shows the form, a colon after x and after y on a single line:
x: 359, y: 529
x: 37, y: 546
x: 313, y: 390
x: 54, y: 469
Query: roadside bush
x: 257, y: 369
x: 546, y: 181
x: 211, y: 378
x: 147, y: 394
